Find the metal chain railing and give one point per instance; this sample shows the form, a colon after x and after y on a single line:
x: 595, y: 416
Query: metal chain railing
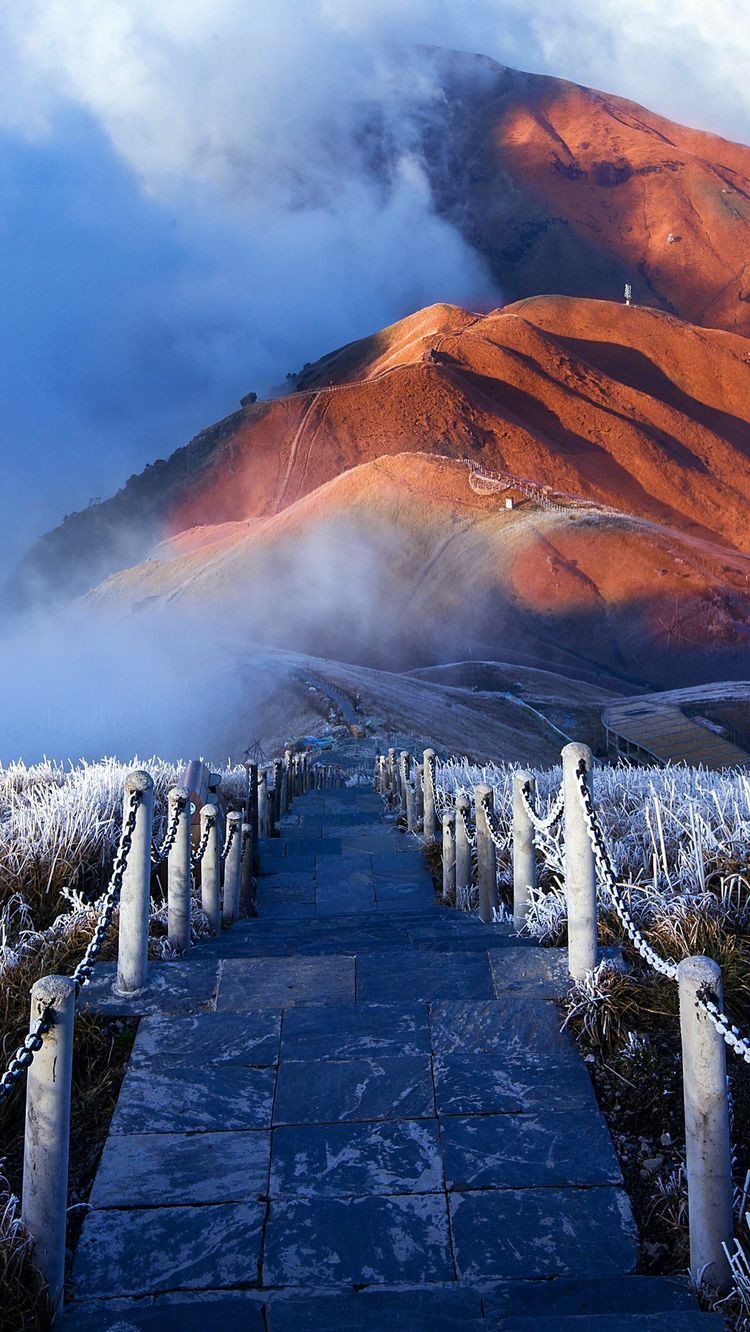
x: 501, y: 843
x: 160, y: 853
x: 84, y: 971
x: 666, y: 966
x: 732, y: 1035
x: 542, y: 824
x: 200, y: 851
x: 24, y: 1055
x: 231, y: 830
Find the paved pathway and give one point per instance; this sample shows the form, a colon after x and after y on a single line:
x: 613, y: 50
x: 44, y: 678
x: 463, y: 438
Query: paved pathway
x: 358, y: 1112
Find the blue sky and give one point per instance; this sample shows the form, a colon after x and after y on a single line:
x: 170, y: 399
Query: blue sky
x: 184, y: 213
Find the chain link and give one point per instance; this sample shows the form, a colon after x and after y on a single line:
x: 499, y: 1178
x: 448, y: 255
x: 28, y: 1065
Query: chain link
x: 550, y: 819
x: 231, y: 830
x: 732, y: 1035
x: 666, y: 966
x: 197, y: 855
x: 501, y: 843
x: 160, y: 853
x: 85, y: 969
x: 24, y: 1055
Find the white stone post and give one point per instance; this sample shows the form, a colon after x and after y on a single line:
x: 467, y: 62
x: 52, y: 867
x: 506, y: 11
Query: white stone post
x: 419, y: 795
x: 263, y: 805
x: 47, y: 1134
x: 135, y: 895
x: 429, y: 820
x: 404, y: 764
x: 449, y: 858
x: 279, y: 795
x: 580, y: 868
x: 524, y: 855
x: 390, y: 775
x: 487, y: 860
x: 233, y: 869
x: 708, y: 1147
x: 211, y: 867
x: 252, y: 813
x: 411, y: 812
x: 463, y: 846
x: 179, y: 870
x: 246, y: 890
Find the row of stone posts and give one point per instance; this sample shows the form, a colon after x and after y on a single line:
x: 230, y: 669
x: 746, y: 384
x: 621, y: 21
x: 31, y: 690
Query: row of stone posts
x: 708, y: 1147
x: 223, y: 898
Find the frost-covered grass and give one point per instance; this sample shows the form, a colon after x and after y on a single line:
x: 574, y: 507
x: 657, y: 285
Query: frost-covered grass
x: 679, y: 840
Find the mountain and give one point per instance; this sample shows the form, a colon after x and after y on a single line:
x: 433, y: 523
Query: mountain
x: 566, y: 189
x: 366, y: 517
x: 560, y: 188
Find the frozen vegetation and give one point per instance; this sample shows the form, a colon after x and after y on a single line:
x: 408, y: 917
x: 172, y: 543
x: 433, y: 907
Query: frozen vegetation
x: 59, y: 826
x: 679, y: 839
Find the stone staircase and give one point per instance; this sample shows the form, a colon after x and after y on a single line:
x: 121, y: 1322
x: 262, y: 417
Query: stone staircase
x: 357, y: 1111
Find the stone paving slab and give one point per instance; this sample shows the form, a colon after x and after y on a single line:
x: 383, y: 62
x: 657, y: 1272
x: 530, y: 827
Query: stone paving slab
x: 155, y: 1169
x: 511, y: 1233
x: 354, y: 1033
x: 528, y: 1151
x: 537, y: 973
x: 518, y: 1028
x: 442, y: 1310
x: 392, y: 977
x: 399, y: 863
x: 236, y: 1314
x: 620, y: 1322
x: 597, y: 1295
x: 340, y: 866
x: 481, y: 1084
x: 276, y: 982
x: 356, y: 1160
x: 269, y: 897
x: 284, y: 878
x: 208, y: 1038
x: 173, y: 987
x: 334, y: 897
x: 277, y: 859
x: 356, y: 1089
x: 353, y: 1241
x: 193, y: 1100
x: 347, y: 818
x: 139, y: 1252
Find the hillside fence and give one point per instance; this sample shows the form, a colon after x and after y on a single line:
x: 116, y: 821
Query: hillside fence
x: 465, y: 827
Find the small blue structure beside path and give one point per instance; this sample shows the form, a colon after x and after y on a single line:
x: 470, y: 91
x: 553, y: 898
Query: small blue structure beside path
x: 357, y: 1111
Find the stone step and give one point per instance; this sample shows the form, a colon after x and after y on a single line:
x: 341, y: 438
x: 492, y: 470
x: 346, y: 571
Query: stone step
x: 444, y: 1309
x: 598, y: 1297
x: 671, y: 1321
